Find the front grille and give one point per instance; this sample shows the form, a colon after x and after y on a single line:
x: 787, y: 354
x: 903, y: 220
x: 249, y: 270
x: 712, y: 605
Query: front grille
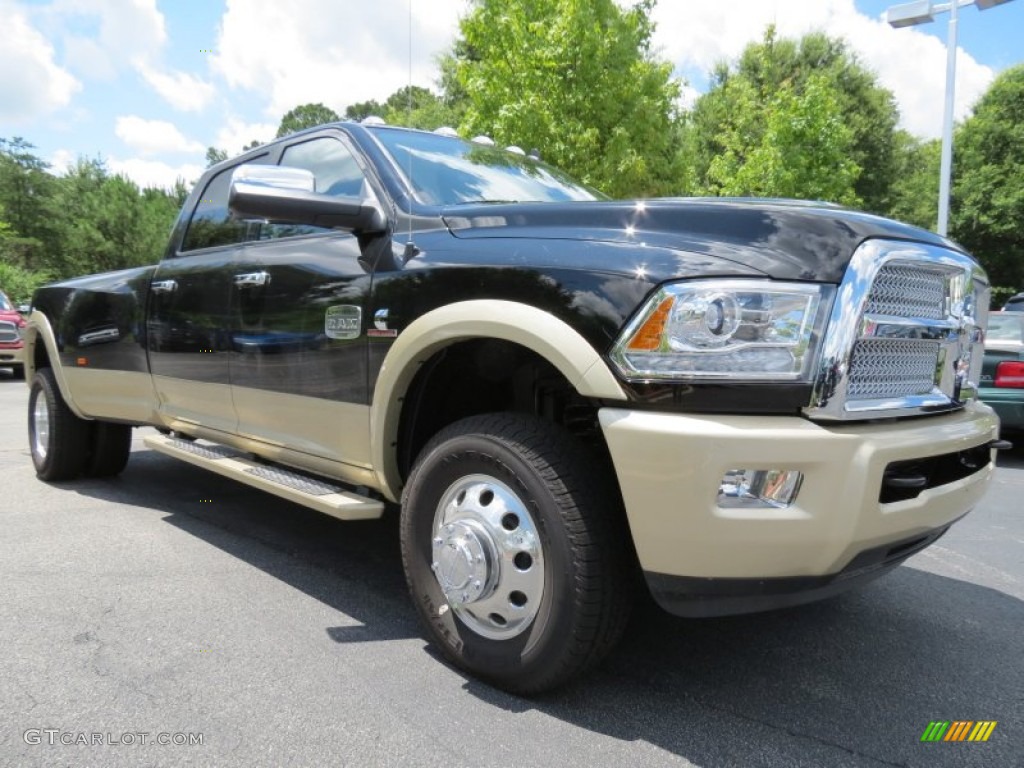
x: 886, y: 368
x: 908, y: 290
x: 904, y: 336
x: 8, y: 332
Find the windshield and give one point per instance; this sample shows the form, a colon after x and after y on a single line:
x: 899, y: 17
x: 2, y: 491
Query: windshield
x: 1007, y: 327
x: 446, y: 170
x: 5, y: 303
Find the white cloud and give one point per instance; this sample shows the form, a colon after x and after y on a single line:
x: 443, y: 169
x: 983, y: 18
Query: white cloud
x: 127, y: 34
x: 236, y: 134
x: 688, y: 95
x: 61, y: 160
x: 695, y: 36
x: 128, y: 31
x: 151, y: 137
x: 270, y: 47
x: 153, y: 173
x: 31, y: 83
x: 179, y: 89
x: 88, y: 59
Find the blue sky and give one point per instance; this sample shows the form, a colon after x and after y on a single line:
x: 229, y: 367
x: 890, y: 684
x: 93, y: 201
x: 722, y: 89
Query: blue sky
x: 149, y: 84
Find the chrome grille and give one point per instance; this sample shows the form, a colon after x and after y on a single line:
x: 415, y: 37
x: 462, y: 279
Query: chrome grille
x: 905, y: 334
x: 892, y: 368
x: 887, y: 368
x: 908, y: 290
x: 8, y: 332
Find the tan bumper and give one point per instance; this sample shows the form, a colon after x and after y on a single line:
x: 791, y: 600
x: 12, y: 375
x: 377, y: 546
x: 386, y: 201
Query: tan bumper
x: 669, y: 467
x: 12, y: 356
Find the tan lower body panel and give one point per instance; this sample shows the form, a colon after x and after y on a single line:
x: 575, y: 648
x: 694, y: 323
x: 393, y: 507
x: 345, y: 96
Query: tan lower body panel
x: 669, y: 468
x: 117, y: 395
x: 333, y: 430
x: 195, y: 402
x: 340, y: 504
x: 321, y: 436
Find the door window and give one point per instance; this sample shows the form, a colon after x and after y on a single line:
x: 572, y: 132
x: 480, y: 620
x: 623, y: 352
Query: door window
x: 336, y: 172
x: 329, y: 160
x: 211, y: 224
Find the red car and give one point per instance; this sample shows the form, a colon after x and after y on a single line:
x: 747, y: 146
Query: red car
x: 12, y: 331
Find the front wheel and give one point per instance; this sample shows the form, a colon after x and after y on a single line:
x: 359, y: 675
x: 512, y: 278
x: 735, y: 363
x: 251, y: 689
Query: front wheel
x: 516, y: 551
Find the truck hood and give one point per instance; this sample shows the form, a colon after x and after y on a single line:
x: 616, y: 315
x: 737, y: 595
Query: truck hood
x: 13, y: 316
x: 783, y: 239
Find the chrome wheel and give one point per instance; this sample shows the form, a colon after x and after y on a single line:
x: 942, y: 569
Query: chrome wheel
x: 487, y: 557
x: 40, y: 427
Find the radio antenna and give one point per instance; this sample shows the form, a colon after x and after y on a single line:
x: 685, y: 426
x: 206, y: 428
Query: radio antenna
x: 410, y: 249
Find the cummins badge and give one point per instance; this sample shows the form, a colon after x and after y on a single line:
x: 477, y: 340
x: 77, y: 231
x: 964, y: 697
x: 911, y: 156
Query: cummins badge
x: 343, y: 321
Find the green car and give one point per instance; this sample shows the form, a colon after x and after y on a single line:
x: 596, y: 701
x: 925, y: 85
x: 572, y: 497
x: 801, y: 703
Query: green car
x: 1002, y: 376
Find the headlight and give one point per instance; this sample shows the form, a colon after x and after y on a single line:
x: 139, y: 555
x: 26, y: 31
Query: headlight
x: 725, y: 329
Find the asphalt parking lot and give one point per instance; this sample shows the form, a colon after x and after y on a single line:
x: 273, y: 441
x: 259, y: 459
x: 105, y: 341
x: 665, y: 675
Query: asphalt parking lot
x: 173, y: 603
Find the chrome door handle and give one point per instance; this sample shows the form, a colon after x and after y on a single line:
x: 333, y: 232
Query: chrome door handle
x: 164, y: 286
x: 252, y: 279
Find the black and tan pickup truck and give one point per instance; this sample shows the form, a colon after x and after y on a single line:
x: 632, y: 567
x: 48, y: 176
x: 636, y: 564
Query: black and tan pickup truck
x: 747, y: 403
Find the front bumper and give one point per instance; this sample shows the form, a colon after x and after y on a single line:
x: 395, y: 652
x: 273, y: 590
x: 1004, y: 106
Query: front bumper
x: 693, y: 552
x: 12, y: 355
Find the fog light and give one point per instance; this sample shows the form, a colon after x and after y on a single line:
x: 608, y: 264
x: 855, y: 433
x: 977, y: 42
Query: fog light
x: 759, y: 488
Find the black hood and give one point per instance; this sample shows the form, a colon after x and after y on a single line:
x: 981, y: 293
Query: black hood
x: 783, y: 239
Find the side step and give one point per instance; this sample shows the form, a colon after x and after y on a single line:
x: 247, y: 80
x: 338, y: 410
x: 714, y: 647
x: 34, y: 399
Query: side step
x: 293, y: 486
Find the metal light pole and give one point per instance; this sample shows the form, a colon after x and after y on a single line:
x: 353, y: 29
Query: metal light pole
x: 922, y: 12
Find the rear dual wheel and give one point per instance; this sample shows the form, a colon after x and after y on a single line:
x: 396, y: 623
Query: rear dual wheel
x: 64, y: 446
x: 515, y: 551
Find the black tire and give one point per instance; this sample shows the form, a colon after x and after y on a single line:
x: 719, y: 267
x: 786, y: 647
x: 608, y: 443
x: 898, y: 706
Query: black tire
x: 110, y: 447
x: 61, y: 449
x: 586, y: 560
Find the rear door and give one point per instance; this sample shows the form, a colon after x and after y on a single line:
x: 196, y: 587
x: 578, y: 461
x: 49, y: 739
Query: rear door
x: 298, y: 364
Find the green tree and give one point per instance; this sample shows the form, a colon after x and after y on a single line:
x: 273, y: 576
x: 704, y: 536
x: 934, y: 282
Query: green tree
x: 915, y: 189
x: 15, y: 280
x: 215, y: 155
x: 417, y: 107
x: 306, y: 116
x: 792, y: 145
x: 19, y: 284
x: 364, y: 109
x: 410, y: 106
x: 988, y: 192
x: 576, y: 79
x: 818, y: 62
x: 84, y: 221
x: 26, y: 197
x: 109, y: 223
